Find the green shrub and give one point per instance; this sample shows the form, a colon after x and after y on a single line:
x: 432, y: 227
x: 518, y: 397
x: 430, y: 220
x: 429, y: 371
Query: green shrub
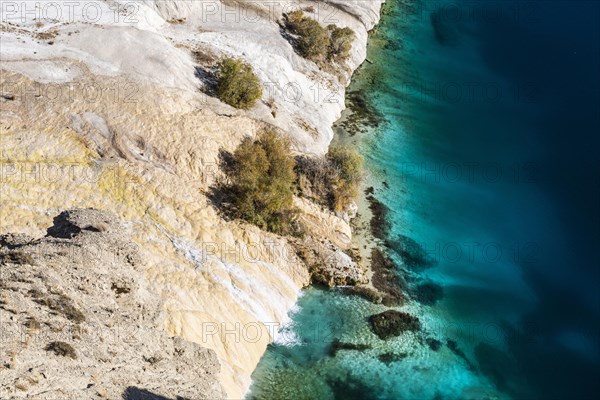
x: 237, y: 85
x: 341, y: 43
x: 313, y: 39
x: 349, y: 166
x: 262, y: 180
x: 317, y: 43
x: 332, y: 180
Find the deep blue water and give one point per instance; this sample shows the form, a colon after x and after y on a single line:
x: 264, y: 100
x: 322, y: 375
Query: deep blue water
x: 488, y: 144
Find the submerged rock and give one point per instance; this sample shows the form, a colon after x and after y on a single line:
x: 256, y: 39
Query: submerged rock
x: 366, y: 292
x: 393, y: 323
x: 388, y: 358
x: 338, y: 345
x: 428, y: 293
x: 434, y: 344
x: 412, y: 253
x: 386, y: 278
x: 380, y: 226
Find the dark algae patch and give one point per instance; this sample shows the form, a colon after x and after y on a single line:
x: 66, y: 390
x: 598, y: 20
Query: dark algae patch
x: 352, y: 388
x: 386, y: 278
x: 453, y: 346
x: 433, y: 344
x: 392, y: 323
x: 413, y: 255
x: 363, y: 116
x: 380, y: 226
x: 428, y: 293
x: 390, y: 357
x: 338, y: 345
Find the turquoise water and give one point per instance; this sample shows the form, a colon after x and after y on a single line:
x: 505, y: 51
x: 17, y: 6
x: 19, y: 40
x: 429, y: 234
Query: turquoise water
x: 485, y: 155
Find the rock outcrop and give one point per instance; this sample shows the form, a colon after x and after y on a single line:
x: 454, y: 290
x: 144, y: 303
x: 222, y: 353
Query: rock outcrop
x: 329, y: 265
x: 80, y: 321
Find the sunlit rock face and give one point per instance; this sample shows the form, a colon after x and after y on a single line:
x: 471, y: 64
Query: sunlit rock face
x: 80, y: 320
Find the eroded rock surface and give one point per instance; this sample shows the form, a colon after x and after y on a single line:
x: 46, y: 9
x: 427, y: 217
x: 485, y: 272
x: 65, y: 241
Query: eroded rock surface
x: 329, y: 265
x: 80, y: 321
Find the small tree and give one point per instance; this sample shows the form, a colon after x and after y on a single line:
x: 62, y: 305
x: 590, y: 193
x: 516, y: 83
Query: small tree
x: 263, y: 182
x: 237, y: 85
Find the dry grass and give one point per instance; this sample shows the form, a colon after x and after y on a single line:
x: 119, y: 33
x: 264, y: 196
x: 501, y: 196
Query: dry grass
x: 17, y: 257
x: 61, y: 349
x: 60, y: 304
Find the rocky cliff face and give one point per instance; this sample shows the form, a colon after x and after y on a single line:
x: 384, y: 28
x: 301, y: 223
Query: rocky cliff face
x: 106, y: 107
x: 80, y: 321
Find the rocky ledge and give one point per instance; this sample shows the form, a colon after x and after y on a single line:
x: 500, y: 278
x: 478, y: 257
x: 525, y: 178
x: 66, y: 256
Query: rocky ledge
x: 79, y: 320
x: 328, y: 264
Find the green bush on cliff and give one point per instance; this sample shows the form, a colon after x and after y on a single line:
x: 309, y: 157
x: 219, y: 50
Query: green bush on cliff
x: 237, y: 85
x: 313, y: 40
x: 317, y: 43
x: 349, y: 166
x: 262, y: 180
x: 332, y: 180
x: 341, y: 43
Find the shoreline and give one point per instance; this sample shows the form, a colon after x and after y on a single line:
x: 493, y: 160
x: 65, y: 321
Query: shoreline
x: 362, y: 237
x: 155, y: 186
x: 369, y: 227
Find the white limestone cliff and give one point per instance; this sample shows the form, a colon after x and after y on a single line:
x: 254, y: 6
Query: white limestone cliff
x: 105, y: 109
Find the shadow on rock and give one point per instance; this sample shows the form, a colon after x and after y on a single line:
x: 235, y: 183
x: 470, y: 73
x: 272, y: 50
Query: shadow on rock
x: 134, y: 393
x: 63, y: 228
x: 208, y: 77
x: 221, y: 195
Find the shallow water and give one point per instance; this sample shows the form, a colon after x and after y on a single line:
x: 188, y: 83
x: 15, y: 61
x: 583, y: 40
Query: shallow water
x: 487, y: 144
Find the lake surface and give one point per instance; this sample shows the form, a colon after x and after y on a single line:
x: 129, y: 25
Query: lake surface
x: 481, y: 137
